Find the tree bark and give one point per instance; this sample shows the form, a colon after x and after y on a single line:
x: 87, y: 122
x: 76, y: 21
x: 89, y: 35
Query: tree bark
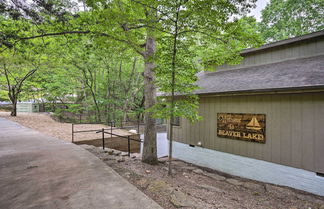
x: 94, y: 99
x: 150, y: 148
x: 14, y: 107
x: 90, y: 82
x: 174, y: 55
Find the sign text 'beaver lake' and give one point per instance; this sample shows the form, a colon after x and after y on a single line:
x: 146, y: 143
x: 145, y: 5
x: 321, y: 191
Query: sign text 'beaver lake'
x: 248, y: 127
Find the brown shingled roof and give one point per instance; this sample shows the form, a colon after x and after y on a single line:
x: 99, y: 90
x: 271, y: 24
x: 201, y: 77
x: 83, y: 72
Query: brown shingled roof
x: 300, y: 73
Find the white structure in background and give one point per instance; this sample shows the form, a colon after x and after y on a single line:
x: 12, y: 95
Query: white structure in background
x: 27, y: 107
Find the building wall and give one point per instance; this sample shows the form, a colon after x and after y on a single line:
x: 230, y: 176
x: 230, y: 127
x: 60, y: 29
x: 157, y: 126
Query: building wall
x: 294, y: 128
x: 251, y: 168
x: 306, y: 48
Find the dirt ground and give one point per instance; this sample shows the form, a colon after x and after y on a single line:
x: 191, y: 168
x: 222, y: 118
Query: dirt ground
x: 190, y: 186
x: 43, y: 123
x: 194, y: 187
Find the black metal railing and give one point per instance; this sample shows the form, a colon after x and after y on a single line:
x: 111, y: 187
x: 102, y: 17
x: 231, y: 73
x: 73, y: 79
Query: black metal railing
x: 129, y: 139
x: 103, y: 131
x: 123, y: 124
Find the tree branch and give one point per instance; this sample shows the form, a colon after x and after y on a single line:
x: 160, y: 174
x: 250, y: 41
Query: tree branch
x: 133, y: 45
x: 7, y: 77
x: 148, y: 6
x: 30, y: 73
x: 55, y: 34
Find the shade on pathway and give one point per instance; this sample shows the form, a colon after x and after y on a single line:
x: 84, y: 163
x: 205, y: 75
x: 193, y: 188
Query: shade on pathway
x: 38, y: 171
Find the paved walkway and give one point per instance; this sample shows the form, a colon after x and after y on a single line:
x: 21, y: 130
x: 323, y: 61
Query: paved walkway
x: 38, y: 171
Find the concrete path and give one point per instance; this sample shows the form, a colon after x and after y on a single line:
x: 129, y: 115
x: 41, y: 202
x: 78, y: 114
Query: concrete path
x: 38, y: 171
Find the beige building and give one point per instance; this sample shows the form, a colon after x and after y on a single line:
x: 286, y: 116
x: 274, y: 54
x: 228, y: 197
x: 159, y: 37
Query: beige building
x: 264, y: 118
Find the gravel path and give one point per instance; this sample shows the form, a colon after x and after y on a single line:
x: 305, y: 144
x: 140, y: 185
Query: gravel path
x: 42, y: 122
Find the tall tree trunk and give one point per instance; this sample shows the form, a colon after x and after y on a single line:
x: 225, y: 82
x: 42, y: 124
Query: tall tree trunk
x: 14, y: 107
x: 125, y: 110
x: 107, y: 97
x: 94, y: 99
x: 13, y: 96
x: 150, y: 148
x: 174, y: 55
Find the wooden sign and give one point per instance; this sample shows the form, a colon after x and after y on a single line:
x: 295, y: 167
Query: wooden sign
x: 247, y: 127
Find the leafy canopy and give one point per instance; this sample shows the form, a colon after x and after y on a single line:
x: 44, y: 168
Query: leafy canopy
x: 190, y: 42
x: 282, y: 19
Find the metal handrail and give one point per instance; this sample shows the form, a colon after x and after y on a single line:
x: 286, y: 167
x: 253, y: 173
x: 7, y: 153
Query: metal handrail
x: 88, y: 130
x: 122, y: 136
x: 103, y: 136
x: 125, y: 137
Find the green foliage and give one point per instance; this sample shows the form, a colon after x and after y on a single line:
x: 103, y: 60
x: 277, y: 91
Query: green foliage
x: 100, y: 53
x: 238, y: 35
x: 184, y: 83
x: 192, y: 42
x: 18, y: 65
x: 290, y: 18
x: 3, y: 95
x: 96, y: 70
x: 184, y: 107
x: 69, y: 63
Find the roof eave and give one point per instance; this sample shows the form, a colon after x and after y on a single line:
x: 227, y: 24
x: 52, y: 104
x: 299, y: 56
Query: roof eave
x: 302, y: 89
x: 284, y: 42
